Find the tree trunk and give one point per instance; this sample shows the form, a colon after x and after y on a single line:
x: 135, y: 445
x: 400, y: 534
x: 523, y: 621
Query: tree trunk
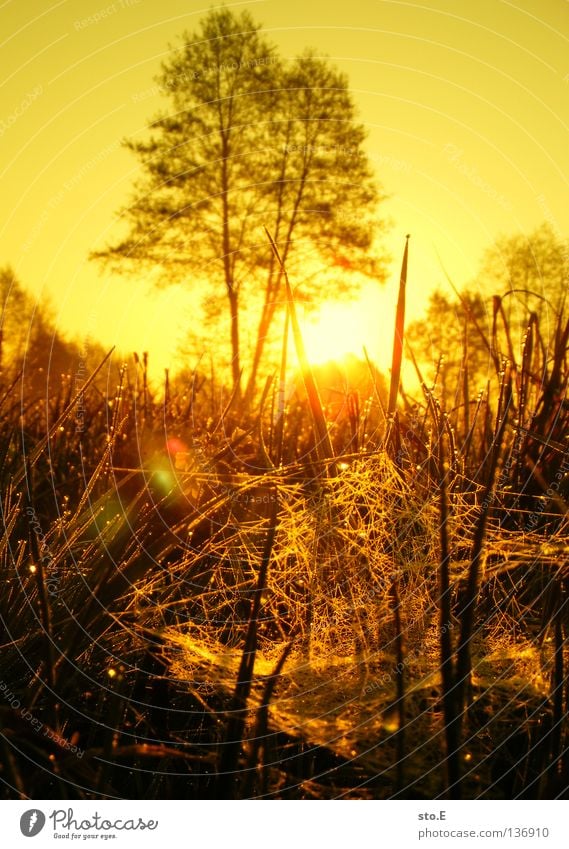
x: 262, y: 331
x: 235, y: 357
x: 274, y: 285
x: 227, y: 267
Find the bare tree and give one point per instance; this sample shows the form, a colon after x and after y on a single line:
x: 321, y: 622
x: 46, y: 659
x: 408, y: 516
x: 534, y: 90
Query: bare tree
x: 249, y: 142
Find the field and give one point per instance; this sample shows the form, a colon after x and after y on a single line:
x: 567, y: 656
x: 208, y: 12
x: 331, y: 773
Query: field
x: 204, y: 601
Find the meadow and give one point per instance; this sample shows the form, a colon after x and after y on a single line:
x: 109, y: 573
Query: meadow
x: 200, y: 600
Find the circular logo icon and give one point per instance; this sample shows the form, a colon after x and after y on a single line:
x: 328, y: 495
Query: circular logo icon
x: 32, y: 822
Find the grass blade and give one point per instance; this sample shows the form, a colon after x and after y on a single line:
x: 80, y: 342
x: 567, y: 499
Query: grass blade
x: 398, y: 337
x: 323, y: 443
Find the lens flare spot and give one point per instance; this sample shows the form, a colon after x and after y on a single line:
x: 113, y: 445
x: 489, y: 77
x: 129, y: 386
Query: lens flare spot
x: 162, y: 475
x: 174, y: 445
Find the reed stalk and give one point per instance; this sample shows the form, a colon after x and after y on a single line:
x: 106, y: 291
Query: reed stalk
x: 227, y: 783
x: 399, y: 334
x: 324, y: 449
x: 464, y: 661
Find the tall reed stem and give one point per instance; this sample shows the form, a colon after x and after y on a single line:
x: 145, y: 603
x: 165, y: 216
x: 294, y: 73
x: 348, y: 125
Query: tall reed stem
x: 464, y: 661
x: 323, y: 443
x: 398, y: 337
x: 451, y: 708
x: 229, y: 761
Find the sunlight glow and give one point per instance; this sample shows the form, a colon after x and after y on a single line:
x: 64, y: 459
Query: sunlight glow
x: 343, y: 329
x: 340, y: 329
x: 334, y: 333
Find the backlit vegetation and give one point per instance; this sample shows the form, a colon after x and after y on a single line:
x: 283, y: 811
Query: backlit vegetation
x: 202, y: 601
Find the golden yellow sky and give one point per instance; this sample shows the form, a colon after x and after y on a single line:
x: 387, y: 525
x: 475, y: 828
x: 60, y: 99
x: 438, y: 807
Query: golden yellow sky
x: 466, y: 105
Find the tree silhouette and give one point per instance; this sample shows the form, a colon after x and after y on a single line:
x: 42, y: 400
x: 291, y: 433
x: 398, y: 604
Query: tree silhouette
x: 14, y: 304
x: 33, y: 352
x: 532, y: 273
x: 448, y: 340
x: 249, y: 142
x: 486, y: 322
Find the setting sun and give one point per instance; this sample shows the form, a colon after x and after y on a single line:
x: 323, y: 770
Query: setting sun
x: 342, y: 328
x: 335, y: 332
